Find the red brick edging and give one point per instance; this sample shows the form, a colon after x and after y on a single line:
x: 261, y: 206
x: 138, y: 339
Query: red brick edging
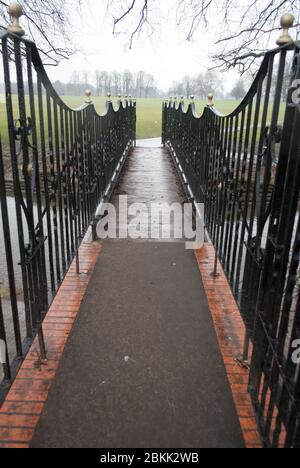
x: 230, y: 331
x: 20, y: 413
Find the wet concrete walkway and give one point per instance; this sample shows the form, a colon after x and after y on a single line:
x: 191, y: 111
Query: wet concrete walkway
x: 142, y: 367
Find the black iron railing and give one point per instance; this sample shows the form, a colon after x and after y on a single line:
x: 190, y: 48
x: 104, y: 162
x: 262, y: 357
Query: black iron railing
x: 245, y: 169
x: 56, y: 165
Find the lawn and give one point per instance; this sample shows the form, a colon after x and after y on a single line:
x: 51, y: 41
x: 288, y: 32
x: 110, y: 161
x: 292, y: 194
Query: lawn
x: 149, y: 113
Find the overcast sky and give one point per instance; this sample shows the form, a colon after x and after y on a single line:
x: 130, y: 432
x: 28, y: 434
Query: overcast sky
x: 166, y: 54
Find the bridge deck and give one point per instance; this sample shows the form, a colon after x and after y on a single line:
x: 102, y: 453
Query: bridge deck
x: 142, y: 367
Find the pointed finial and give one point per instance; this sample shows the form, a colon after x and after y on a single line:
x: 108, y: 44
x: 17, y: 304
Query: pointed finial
x: 88, y: 94
x: 15, y: 10
x: 287, y: 22
x: 210, y: 98
x: 108, y: 97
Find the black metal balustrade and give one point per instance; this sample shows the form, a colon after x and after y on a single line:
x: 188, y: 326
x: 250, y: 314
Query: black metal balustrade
x: 245, y: 169
x: 58, y: 164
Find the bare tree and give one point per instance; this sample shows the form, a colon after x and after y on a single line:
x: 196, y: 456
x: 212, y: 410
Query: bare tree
x: 177, y: 88
x: 116, y: 82
x: 140, y: 83
x: 149, y: 85
x: 207, y: 82
x: 200, y: 85
x: 127, y: 82
x: 98, y: 81
x: 103, y: 83
x: 239, y: 90
x: 47, y: 23
x: 245, y: 31
x: 187, y: 86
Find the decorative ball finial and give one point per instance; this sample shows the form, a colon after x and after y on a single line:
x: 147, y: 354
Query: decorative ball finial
x: 210, y: 98
x: 192, y: 98
x: 287, y: 22
x: 15, y: 11
x: 30, y: 169
x: 88, y: 94
x: 109, y: 97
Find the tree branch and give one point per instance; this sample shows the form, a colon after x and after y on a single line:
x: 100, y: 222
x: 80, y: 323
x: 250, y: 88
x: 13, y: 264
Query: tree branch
x: 242, y: 39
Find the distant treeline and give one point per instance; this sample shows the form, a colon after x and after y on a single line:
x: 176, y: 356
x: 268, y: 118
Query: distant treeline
x: 212, y: 82
x: 143, y: 85
x: 139, y: 85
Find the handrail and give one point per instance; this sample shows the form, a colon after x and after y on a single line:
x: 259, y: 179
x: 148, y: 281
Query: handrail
x: 244, y: 168
x: 261, y: 74
x: 39, y: 67
x: 62, y: 163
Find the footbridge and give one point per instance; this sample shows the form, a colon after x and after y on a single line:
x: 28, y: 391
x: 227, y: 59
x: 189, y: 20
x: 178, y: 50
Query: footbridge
x: 124, y: 326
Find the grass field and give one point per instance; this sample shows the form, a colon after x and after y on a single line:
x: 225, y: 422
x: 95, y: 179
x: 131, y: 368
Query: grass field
x: 149, y: 113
